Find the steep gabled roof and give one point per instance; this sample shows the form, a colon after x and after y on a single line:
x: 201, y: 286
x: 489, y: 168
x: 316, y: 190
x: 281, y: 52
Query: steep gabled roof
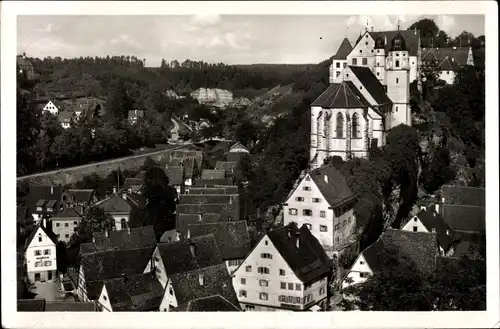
x: 214, y: 190
x: 212, y: 182
x: 448, y: 64
x: 232, y: 238
x: 109, y: 264
x: 213, y: 174
x: 208, y: 198
x: 308, y: 261
x: 336, y: 191
x: 178, y: 256
x: 66, y: 116
x: 45, y: 192
x: 175, y: 174
x: 463, y: 195
x: 411, y: 39
x: 215, y: 303
x: 228, y: 166
x: 345, y: 49
x: 237, y: 145
x: 114, y: 203
x: 215, y: 280
x: 45, y: 230
x: 465, y: 218
x: 68, y: 213
x: 81, y: 195
x: 371, y: 84
x: 141, y: 292
x: 183, y: 221
x: 340, y: 95
x: 138, y: 237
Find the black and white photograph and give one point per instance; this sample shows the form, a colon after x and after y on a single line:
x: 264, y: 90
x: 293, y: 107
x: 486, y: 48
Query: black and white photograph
x: 224, y: 159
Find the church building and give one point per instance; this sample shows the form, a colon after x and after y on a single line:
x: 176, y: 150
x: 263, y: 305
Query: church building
x: 369, y: 94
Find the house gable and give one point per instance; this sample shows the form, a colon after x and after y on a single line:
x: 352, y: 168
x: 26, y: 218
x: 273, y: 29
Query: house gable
x: 36, y: 242
x: 104, y: 301
x: 299, y: 191
x: 169, y: 300
x: 415, y: 223
x: 359, y: 266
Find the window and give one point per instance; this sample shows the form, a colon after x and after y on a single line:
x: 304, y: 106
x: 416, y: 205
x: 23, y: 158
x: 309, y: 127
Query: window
x: 354, y: 61
x: 248, y: 268
x: 104, y: 297
x: 290, y: 286
x: 282, y: 272
x: 414, y: 219
x: 289, y: 299
x: 38, y: 264
x: 292, y: 211
x: 123, y: 223
x: 263, y: 270
x: 364, y: 61
x: 39, y: 239
x: 46, y: 252
x: 337, y: 239
x: 306, y: 188
x: 340, y: 125
x: 299, y: 198
x: 75, y: 222
x: 282, y: 298
x: 322, y: 290
x: 363, y: 274
x: 316, y: 200
x: 361, y: 262
x: 66, y: 236
x: 47, y: 263
x: 396, y: 108
x: 345, y: 65
x: 344, y: 223
x: 397, y: 62
x: 263, y: 296
x: 38, y: 252
x: 263, y: 283
x: 337, y: 65
x: 66, y: 224
x: 57, y: 224
x: 397, y: 54
x: 243, y: 293
x: 298, y: 286
x: 308, y: 226
x: 397, y: 80
x: 234, y: 262
x: 323, y: 228
x: 266, y: 255
x: 337, y: 74
x: 378, y: 73
x: 378, y: 51
x: 349, y: 220
x: 366, y: 43
x: 361, y: 51
x: 266, y: 242
x: 433, y: 230
x: 308, y: 179
x: 306, y: 212
x: 249, y: 307
x: 336, y: 227
x: 283, y: 285
x: 415, y: 229
x: 171, y: 291
x: 355, y: 126
x: 322, y: 214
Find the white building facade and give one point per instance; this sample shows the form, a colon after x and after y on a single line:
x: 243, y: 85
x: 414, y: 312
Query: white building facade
x: 41, y: 258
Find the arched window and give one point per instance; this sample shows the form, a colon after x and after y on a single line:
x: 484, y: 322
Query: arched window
x: 355, y: 126
x: 123, y: 223
x: 397, y: 63
x: 340, y: 126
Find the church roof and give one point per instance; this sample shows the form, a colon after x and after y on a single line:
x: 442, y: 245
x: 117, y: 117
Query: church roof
x: 371, y: 83
x: 412, y: 39
x: 344, y: 49
x: 341, y: 95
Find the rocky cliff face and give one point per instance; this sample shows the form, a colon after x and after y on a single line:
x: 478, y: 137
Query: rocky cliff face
x: 215, y: 97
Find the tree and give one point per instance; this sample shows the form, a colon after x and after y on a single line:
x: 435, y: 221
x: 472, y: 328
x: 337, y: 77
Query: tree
x: 94, y: 220
x: 62, y: 262
x: 28, y: 128
x: 430, y: 34
x: 118, y: 103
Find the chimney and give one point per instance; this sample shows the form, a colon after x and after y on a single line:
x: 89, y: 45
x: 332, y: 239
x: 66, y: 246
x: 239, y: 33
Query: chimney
x: 453, y: 59
x: 297, y: 239
x: 106, y: 233
x: 44, y: 222
x: 201, y: 278
x: 24, y: 55
x: 385, y: 40
x: 192, y: 248
x: 372, y: 28
x: 124, y: 195
x: 326, y: 178
x: 200, y: 216
x: 114, y: 189
x: 51, y: 190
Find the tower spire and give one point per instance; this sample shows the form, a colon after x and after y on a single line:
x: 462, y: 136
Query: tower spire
x: 398, y: 23
x: 367, y: 23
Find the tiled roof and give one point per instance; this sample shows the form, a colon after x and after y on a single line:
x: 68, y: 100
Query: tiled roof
x: 232, y: 237
x: 141, y: 292
x: 68, y: 213
x: 102, y: 265
x: 432, y: 220
x: 213, y: 174
x: 448, y: 65
x: 215, y: 281
x: 208, y: 198
x: 460, y: 54
x: 463, y: 195
x: 225, y: 210
x: 81, y: 195
x: 464, y: 218
x: 235, y: 156
x: 183, y: 221
x: 237, y: 145
x: 336, y: 191
x: 341, y: 95
x: 228, y: 166
x: 39, y: 192
x: 308, y: 261
x: 31, y: 305
x: 138, y: 237
x: 69, y: 307
x: 215, y: 303
x: 419, y: 247
x: 66, y: 116
x: 372, y: 84
x: 411, y: 39
x: 212, y: 182
x: 178, y: 257
x: 114, y: 204
x: 213, y: 190
x: 175, y: 174
x: 345, y: 49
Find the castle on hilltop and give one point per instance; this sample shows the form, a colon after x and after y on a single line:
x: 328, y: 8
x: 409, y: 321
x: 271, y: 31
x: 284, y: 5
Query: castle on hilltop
x: 369, y: 91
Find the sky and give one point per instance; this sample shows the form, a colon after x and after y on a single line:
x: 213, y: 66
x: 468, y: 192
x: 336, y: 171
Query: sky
x: 231, y: 39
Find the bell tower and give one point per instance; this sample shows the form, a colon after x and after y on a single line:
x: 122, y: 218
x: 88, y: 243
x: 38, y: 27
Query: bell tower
x: 397, y: 65
x: 380, y: 59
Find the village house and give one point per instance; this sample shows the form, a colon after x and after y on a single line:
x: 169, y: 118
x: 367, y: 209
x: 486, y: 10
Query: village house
x: 208, y: 174
x: 429, y: 221
x: 66, y: 118
x: 95, y: 267
x: 119, y: 207
x: 286, y: 270
x: 25, y: 67
x: 134, y: 116
x: 217, y: 189
x: 53, y: 107
x: 324, y: 203
x: 45, y: 200
x: 419, y: 247
x: 236, y: 152
x: 182, y: 222
x: 88, y: 107
x: 232, y: 238
x: 81, y: 198
x: 131, y: 238
x: 215, y: 303
x: 175, y: 176
x: 65, y: 224
x: 228, y: 181
x: 226, y: 211
x: 232, y: 202
x: 447, y: 60
x: 40, y: 254
x: 134, y: 293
